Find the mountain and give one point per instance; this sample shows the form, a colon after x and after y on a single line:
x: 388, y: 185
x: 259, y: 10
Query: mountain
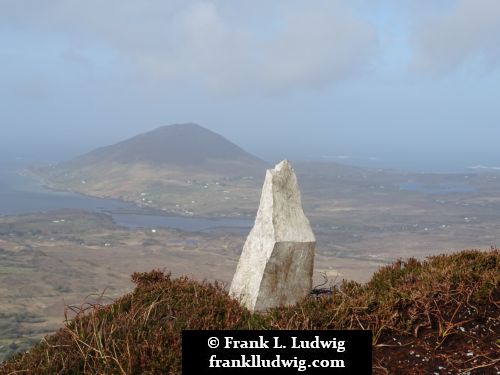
x: 183, y: 169
x: 177, y: 146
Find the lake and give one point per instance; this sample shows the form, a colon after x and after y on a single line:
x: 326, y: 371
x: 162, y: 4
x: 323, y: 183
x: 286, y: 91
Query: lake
x: 21, y: 194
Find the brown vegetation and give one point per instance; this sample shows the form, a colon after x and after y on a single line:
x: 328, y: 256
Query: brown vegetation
x: 439, y: 316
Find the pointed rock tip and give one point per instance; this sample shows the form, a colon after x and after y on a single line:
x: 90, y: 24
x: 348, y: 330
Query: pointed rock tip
x: 284, y: 164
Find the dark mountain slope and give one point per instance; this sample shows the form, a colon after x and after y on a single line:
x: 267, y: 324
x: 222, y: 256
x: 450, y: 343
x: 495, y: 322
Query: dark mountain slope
x: 175, y: 145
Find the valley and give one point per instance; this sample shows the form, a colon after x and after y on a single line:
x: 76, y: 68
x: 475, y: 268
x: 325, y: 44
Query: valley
x: 57, y: 261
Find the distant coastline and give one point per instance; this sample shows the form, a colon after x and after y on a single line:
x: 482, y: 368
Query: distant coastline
x: 25, y: 193
x: 479, y: 166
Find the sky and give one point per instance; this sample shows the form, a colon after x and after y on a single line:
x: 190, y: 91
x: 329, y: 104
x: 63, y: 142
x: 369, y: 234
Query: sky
x: 410, y: 84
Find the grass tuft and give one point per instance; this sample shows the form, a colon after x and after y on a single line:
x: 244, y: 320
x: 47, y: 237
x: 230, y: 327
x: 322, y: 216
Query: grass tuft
x: 424, y: 315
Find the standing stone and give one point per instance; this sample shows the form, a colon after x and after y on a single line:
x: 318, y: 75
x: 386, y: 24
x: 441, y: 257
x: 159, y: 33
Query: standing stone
x: 276, y: 264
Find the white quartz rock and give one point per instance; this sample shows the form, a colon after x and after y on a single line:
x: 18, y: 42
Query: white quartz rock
x: 276, y: 264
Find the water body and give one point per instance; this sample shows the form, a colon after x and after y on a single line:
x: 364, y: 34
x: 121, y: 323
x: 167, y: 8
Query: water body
x: 440, y: 189
x: 131, y: 220
x: 22, y: 194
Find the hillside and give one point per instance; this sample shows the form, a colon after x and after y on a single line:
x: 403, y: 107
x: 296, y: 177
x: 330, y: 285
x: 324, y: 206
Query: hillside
x: 176, y: 146
x: 439, y: 316
x: 171, y: 168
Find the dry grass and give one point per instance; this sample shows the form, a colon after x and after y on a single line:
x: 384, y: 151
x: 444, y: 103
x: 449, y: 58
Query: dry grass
x: 440, y: 310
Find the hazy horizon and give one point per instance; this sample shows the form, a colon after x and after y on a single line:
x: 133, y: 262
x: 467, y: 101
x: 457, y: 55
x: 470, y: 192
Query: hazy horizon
x: 402, y: 162
x: 410, y: 85
x: 411, y: 163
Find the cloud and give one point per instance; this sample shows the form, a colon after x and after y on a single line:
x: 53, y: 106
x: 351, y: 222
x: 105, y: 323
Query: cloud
x: 222, y: 46
x: 304, y: 46
x: 468, y: 31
